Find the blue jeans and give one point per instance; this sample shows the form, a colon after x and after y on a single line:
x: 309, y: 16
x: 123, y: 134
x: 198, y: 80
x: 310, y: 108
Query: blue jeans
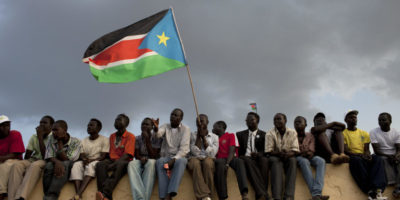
x: 169, y: 185
x: 316, y: 184
x: 141, y: 178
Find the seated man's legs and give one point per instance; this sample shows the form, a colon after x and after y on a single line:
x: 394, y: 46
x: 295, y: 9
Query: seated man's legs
x: 102, y: 173
x: 16, y: 176
x: 112, y: 181
x: 163, y: 180
x: 200, y: 188
x: 31, y: 178
x: 220, y: 178
x: 276, y: 177
x: 149, y: 176
x: 255, y: 176
x: 240, y: 171
x: 56, y: 183
x: 176, y: 176
x: 135, y: 179
x: 5, y: 169
x: 377, y: 173
x: 290, y: 177
x: 359, y: 171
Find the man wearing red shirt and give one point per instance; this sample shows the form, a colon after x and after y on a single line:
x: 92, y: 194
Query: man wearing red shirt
x: 226, y: 157
x: 11, y: 149
x: 122, y: 150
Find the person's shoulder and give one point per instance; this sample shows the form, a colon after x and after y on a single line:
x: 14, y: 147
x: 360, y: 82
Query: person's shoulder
x: 291, y: 131
x: 242, y: 132
x: 102, y: 137
x: 15, y: 133
x: 375, y: 131
x: 75, y: 140
x: 261, y: 131
x: 130, y: 135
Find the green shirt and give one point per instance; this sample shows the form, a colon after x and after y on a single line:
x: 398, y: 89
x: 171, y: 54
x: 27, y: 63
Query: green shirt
x: 33, y: 146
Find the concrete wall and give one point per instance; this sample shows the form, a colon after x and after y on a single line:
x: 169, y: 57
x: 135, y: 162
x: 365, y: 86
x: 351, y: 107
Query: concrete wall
x: 339, y: 185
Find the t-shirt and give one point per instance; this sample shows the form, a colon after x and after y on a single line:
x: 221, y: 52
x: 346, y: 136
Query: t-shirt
x: 125, y: 146
x: 386, y: 140
x: 225, y: 141
x: 141, y: 146
x: 33, y: 145
x: 72, y: 148
x: 94, y: 148
x: 12, y: 144
x: 355, y: 140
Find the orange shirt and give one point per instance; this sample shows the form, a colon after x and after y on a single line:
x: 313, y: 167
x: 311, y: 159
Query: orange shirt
x: 127, y: 145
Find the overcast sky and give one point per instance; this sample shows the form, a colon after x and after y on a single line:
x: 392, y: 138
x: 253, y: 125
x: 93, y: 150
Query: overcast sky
x: 295, y: 57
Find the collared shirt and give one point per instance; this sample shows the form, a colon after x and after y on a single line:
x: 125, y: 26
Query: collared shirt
x: 33, y: 145
x: 275, y: 142
x: 250, y: 143
x: 176, y: 141
x: 72, y: 148
x: 308, y: 143
x: 141, y: 145
x: 355, y: 140
x: 211, y: 149
x: 94, y: 148
x: 387, y: 140
x: 125, y: 146
x: 225, y: 141
x: 12, y: 144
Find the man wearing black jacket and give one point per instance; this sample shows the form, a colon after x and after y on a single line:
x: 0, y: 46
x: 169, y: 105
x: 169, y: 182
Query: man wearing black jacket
x: 251, y: 151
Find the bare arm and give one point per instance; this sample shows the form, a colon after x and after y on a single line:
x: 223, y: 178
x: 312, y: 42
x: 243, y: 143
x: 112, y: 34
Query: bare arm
x: 231, y: 154
x: 28, y: 154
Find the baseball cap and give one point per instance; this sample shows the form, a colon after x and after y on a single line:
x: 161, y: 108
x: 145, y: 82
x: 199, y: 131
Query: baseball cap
x: 320, y: 114
x: 3, y: 119
x: 350, y: 112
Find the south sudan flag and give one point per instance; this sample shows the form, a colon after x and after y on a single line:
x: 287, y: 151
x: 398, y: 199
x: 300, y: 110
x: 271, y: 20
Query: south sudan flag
x: 146, y: 48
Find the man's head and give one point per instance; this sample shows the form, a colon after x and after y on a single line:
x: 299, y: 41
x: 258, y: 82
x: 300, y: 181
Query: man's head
x: 351, y: 118
x: 121, y: 122
x: 385, y: 120
x: 300, y: 123
x: 46, y: 123
x: 219, y: 127
x: 319, y: 119
x: 5, y: 126
x: 176, y: 117
x: 203, y: 120
x: 252, y: 121
x: 280, y: 120
x: 59, y: 129
x: 147, y: 125
x: 94, y: 126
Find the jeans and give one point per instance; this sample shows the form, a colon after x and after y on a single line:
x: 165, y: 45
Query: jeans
x: 169, y: 185
x: 369, y: 175
x: 52, y: 185
x: 316, y: 184
x: 141, y: 178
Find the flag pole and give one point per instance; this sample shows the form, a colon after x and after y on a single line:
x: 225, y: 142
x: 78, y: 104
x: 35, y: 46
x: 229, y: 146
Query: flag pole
x: 187, y: 65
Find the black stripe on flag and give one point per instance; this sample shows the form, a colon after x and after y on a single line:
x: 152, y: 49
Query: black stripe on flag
x: 141, y: 27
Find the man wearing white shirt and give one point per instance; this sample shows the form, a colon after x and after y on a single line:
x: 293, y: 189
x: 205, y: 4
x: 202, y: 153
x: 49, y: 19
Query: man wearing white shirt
x: 386, y: 143
x: 203, y: 148
x: 251, y: 151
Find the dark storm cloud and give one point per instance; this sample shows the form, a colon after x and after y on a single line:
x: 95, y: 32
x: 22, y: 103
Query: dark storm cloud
x: 275, y: 53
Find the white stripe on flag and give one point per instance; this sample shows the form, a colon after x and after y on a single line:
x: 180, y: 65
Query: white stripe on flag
x: 131, y: 37
x: 120, y: 62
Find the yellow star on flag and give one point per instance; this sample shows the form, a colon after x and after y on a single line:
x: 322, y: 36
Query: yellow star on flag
x: 163, y: 39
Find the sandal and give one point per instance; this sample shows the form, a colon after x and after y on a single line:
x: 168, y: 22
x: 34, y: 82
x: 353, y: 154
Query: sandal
x: 396, y: 192
x: 335, y: 159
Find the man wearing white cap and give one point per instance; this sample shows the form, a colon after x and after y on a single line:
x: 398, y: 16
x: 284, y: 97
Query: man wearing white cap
x: 367, y: 170
x: 11, y: 149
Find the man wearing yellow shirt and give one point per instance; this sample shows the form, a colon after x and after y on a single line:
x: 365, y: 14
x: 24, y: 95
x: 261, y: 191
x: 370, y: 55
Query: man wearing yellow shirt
x: 367, y: 170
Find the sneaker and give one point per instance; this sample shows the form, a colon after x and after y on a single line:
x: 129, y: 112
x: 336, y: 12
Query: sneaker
x: 379, y: 195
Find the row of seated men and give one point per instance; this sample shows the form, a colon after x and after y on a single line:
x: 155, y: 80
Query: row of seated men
x: 166, y: 151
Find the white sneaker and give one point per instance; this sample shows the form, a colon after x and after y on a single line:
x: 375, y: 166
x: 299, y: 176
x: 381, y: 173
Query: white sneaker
x: 379, y: 195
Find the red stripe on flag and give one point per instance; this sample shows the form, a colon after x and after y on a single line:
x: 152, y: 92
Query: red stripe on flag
x: 124, y: 50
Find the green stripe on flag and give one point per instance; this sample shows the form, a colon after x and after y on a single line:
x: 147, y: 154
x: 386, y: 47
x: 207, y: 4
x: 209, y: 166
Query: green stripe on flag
x: 143, y: 68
